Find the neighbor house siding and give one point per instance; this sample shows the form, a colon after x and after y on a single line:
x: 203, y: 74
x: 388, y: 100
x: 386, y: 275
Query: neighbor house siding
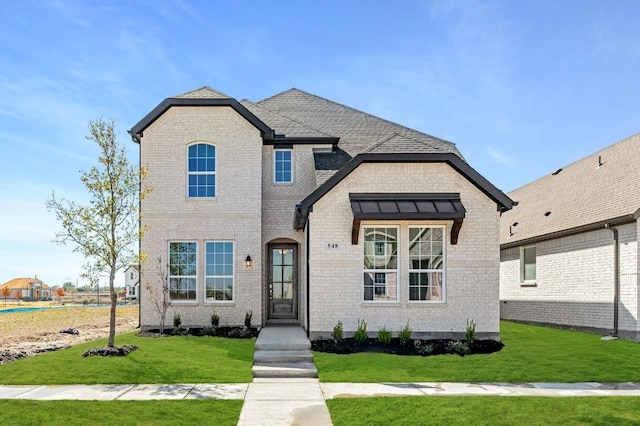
x: 574, y: 282
x: 336, y: 272
x: 234, y: 215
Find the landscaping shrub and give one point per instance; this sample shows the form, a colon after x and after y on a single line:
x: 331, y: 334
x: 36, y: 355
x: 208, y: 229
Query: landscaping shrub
x: 470, y: 331
x: 247, y: 318
x: 338, y: 332
x: 361, y: 332
x: 384, y: 336
x: 215, y: 320
x: 404, y: 335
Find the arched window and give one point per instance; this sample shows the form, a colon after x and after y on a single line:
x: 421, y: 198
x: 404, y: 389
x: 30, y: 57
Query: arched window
x: 201, y: 171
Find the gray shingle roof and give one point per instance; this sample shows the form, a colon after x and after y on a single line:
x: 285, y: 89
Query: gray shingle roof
x: 580, y: 195
x: 205, y: 92
x: 282, y: 124
x: 358, y: 131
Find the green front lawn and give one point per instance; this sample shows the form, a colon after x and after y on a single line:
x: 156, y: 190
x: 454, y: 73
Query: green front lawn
x: 531, y: 354
x: 176, y: 359
x: 484, y: 410
x: 70, y: 413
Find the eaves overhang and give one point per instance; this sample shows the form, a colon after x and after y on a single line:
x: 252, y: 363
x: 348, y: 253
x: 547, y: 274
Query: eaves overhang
x: 503, y: 202
x: 594, y: 226
x: 137, y: 131
x: 286, y: 140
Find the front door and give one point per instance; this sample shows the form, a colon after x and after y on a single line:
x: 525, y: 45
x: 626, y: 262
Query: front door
x: 283, y: 281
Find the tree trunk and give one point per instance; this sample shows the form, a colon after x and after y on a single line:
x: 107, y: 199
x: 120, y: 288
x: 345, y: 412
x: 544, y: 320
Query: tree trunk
x: 112, y: 316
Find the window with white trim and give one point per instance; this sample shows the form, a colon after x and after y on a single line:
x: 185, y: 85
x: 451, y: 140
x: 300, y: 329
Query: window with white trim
x: 380, y: 264
x: 528, y: 264
x: 282, y: 165
x: 201, y: 171
x: 183, y: 267
x: 219, y: 271
x: 426, y: 263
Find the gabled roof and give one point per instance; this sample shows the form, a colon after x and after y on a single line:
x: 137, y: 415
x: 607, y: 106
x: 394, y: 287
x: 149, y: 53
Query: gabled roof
x: 204, y: 96
x: 602, y: 188
x: 20, y: 283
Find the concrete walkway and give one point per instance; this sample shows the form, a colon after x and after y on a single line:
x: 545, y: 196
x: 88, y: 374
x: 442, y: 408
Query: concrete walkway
x: 308, y: 390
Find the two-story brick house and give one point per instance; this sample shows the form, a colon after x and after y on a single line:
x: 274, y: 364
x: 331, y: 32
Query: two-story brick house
x: 306, y: 211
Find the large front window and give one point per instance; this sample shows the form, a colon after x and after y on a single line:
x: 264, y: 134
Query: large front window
x: 201, y: 167
x: 219, y: 271
x: 426, y: 263
x: 182, y: 271
x: 381, y: 264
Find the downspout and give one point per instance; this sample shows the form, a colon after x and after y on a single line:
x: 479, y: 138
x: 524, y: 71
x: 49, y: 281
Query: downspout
x: 308, y: 275
x: 616, y: 277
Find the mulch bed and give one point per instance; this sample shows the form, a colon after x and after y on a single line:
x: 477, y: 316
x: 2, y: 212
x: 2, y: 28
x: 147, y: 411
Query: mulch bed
x: 232, y: 332
x: 413, y: 347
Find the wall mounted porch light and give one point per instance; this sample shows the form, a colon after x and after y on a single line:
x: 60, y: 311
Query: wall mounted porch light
x: 248, y: 262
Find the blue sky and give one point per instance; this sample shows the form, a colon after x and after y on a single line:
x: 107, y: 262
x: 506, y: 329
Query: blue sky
x: 522, y: 87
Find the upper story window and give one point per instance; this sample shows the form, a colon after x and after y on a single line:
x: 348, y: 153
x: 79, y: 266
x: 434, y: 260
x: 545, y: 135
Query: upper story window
x: 201, y: 171
x: 282, y: 166
x: 528, y: 264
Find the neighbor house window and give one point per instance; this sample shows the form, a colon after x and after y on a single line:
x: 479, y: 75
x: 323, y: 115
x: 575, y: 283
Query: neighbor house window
x: 182, y: 271
x: 426, y: 263
x: 219, y: 271
x: 528, y: 264
x: 381, y: 264
x: 201, y: 166
x: 282, y: 169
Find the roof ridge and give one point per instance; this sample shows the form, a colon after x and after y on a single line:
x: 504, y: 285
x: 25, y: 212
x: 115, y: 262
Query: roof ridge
x: 203, y: 88
x: 291, y: 118
x: 400, y: 135
x: 406, y: 128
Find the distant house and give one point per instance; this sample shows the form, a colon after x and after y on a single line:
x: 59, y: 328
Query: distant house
x: 30, y: 289
x: 132, y: 281
x: 308, y: 212
x: 569, y: 249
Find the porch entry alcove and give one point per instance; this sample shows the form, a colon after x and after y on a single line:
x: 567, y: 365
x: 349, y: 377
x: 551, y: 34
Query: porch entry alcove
x: 282, y: 282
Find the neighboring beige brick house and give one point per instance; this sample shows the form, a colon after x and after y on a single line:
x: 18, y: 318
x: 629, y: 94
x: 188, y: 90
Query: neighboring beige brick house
x: 305, y: 211
x: 569, y: 248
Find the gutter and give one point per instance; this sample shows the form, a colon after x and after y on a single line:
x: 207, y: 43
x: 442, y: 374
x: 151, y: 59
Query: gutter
x: 616, y: 277
x: 308, y: 273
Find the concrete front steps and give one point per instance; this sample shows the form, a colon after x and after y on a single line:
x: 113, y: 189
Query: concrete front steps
x: 283, y: 352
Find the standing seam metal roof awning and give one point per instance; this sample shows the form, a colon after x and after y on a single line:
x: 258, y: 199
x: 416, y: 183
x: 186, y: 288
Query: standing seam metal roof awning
x: 405, y: 206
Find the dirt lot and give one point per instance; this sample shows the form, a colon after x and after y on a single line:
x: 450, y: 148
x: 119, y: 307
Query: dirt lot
x: 30, y: 333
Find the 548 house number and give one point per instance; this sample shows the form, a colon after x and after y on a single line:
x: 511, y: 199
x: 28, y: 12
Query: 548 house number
x: 333, y: 246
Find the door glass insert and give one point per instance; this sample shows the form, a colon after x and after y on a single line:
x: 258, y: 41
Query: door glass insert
x: 282, y: 273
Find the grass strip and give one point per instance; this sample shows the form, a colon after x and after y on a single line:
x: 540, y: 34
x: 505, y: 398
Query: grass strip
x: 175, y: 359
x: 531, y: 354
x: 96, y: 413
x: 485, y: 410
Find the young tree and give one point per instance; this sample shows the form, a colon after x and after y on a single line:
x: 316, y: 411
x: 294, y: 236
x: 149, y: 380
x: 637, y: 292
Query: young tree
x: 160, y: 299
x: 107, y: 229
x: 6, y: 292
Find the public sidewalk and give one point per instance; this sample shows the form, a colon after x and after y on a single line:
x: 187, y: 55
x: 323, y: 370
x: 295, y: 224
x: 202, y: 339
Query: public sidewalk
x: 304, y: 390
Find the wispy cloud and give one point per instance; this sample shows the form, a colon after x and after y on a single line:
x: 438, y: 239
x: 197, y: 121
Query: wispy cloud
x: 502, y: 157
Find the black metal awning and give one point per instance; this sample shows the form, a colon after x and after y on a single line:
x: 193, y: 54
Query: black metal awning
x: 407, y: 206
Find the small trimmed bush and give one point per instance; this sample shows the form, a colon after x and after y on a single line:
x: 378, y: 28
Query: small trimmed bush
x: 470, y: 331
x: 247, y: 318
x: 338, y: 332
x: 404, y: 335
x: 384, y: 336
x: 215, y: 320
x: 361, y: 335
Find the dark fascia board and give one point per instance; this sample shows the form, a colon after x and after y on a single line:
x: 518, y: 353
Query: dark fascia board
x: 329, y: 140
x: 137, y: 131
x: 621, y: 220
x: 503, y: 202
